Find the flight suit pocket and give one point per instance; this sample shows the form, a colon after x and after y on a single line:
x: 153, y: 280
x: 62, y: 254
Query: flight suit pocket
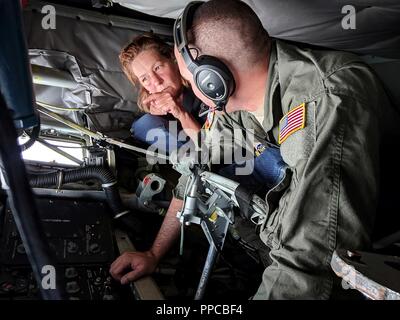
x: 271, y: 228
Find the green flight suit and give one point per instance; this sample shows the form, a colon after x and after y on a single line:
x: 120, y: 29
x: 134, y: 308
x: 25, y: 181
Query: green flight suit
x: 331, y: 199
x: 329, y: 196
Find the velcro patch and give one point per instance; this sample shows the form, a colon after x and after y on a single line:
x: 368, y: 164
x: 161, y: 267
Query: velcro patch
x: 293, y: 121
x: 259, y: 148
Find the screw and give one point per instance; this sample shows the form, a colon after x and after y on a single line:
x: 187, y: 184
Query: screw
x: 352, y: 254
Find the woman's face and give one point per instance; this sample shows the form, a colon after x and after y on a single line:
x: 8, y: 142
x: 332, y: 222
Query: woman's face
x: 157, y: 73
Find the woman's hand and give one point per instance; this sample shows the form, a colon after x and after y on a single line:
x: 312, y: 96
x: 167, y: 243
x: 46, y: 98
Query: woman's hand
x: 161, y: 103
x: 152, y: 106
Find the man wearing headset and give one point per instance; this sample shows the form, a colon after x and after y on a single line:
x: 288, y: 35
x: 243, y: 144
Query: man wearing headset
x: 326, y: 112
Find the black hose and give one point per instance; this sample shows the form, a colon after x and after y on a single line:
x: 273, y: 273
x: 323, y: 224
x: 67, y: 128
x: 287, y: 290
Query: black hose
x: 32, y: 134
x: 24, y: 207
x: 107, y: 178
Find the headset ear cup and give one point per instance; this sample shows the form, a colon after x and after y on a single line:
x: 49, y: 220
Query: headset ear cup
x: 213, y: 78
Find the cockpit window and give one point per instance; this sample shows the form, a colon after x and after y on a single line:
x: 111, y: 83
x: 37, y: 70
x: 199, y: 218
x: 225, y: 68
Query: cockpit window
x: 41, y: 151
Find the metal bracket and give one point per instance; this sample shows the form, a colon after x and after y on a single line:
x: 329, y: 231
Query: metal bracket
x: 148, y: 188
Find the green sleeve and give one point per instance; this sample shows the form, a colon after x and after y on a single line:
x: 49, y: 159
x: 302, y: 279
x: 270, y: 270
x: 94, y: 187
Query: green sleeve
x: 332, y: 197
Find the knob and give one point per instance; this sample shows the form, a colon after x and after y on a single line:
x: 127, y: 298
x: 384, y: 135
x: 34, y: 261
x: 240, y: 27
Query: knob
x: 71, y: 273
x: 98, y: 281
x: 21, y: 249
x: 72, y: 247
x: 94, y: 248
x: 72, y: 287
x: 7, y: 287
x: 108, y: 294
x: 108, y: 281
x: 21, y: 284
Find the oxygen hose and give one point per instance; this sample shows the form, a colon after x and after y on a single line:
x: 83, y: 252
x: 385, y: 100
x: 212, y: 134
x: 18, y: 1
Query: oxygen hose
x: 104, y: 175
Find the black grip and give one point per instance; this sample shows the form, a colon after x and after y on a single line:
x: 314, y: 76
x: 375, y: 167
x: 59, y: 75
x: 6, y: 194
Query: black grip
x: 244, y: 197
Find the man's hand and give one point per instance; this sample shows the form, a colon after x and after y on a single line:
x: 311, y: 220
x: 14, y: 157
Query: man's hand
x: 131, y: 266
x: 162, y: 103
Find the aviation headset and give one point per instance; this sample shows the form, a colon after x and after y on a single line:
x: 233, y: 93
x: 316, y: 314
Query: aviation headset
x: 211, y: 76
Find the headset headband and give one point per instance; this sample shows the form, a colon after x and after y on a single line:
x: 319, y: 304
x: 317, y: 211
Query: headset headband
x: 184, y: 22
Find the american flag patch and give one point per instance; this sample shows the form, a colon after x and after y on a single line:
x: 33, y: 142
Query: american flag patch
x: 209, y: 120
x: 294, y: 120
